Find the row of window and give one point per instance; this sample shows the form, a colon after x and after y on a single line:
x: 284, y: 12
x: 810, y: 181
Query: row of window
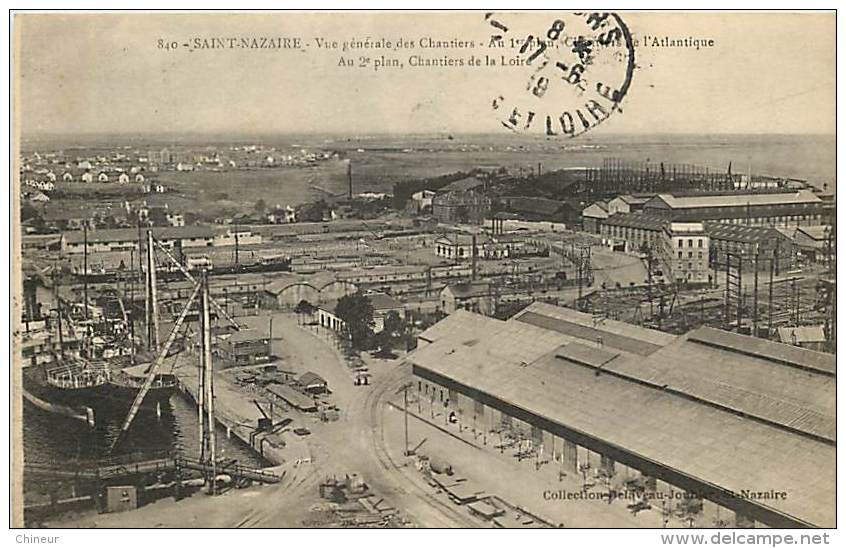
x: 689, y: 254
x: 690, y: 242
x: 775, y: 219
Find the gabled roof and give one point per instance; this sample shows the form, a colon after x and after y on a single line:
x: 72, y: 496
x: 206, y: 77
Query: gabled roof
x: 817, y: 232
x: 533, y: 204
x: 597, y: 210
x: 726, y: 411
x: 383, y: 301
x: 310, y: 378
x: 634, y: 200
x: 461, y: 238
x: 105, y: 235
x: 801, y: 334
x: 739, y: 200
x: 470, y: 289
x: 246, y: 335
x: 462, y: 185
x: 636, y: 220
x: 741, y: 233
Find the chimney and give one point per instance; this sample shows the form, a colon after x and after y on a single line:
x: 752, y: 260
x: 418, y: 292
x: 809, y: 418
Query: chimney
x: 473, y: 257
x: 349, y: 176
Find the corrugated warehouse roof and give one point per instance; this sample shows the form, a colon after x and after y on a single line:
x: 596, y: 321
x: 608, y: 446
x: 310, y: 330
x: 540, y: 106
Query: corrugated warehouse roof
x: 750, y: 384
x: 462, y: 326
x: 741, y: 233
x: 383, y: 301
x: 687, y: 428
x: 470, y: 289
x: 462, y: 185
x: 533, y: 204
x: 801, y: 334
x: 816, y: 232
x: 106, y: 235
x: 740, y: 200
x: 570, y: 321
x: 281, y: 280
x: 636, y: 220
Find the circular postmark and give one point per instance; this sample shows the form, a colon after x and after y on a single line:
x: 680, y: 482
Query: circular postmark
x: 566, y: 73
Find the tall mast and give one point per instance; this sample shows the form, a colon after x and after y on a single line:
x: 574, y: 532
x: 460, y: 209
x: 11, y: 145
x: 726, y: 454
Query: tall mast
x: 209, y: 378
x: 58, y: 309
x: 85, y: 269
x: 153, y: 310
x: 132, y: 301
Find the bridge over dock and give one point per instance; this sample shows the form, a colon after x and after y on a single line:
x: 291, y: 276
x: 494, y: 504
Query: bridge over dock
x: 124, y: 467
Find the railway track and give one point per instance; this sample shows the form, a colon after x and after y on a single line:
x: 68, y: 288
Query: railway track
x: 375, y: 405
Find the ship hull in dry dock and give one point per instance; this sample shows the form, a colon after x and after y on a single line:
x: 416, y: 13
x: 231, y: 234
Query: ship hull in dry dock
x: 108, y: 399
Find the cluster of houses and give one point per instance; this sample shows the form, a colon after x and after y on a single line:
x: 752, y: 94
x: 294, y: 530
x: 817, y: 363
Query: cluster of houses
x: 236, y: 157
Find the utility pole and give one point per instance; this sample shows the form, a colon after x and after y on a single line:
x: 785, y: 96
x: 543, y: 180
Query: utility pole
x: 770, y: 299
x: 755, y: 298
x: 404, y: 389
x: 236, y: 245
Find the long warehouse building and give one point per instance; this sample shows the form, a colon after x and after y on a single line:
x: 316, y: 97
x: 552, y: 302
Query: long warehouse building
x: 741, y: 423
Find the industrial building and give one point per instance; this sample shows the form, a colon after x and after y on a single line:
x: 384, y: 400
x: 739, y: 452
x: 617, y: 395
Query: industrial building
x: 798, y: 208
x: 463, y: 201
x: 632, y: 232
x: 594, y: 215
x: 457, y: 246
x: 536, y: 208
x: 126, y: 239
x: 244, y: 347
x: 770, y: 246
x: 628, y: 203
x: 382, y: 304
x: 473, y: 296
x: 685, y: 252
x: 745, y: 425
x: 815, y: 242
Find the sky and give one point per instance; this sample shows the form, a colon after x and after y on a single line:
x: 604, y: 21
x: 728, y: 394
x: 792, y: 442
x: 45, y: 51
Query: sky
x: 105, y: 73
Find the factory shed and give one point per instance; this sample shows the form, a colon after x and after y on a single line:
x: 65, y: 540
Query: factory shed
x: 313, y: 383
x: 726, y: 417
x: 293, y: 397
x: 805, y: 336
x: 767, y: 209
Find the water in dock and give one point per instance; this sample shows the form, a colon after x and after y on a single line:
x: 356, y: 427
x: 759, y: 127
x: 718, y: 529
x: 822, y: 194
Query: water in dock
x: 52, y: 439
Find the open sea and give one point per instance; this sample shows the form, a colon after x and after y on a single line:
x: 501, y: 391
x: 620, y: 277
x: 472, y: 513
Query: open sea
x: 810, y: 157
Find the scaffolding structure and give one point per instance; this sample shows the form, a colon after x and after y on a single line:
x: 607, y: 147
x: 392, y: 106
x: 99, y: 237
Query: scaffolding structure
x: 618, y: 176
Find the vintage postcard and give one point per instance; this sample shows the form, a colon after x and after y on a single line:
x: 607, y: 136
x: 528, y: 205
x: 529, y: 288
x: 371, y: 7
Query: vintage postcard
x: 424, y: 269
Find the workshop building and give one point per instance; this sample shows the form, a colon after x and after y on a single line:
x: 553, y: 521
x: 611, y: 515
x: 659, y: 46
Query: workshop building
x: 744, y: 425
x: 798, y: 208
x: 244, y: 347
x: 768, y: 244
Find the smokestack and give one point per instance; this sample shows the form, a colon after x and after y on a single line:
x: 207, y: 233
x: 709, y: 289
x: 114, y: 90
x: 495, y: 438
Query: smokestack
x: 473, y: 260
x: 349, y: 176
